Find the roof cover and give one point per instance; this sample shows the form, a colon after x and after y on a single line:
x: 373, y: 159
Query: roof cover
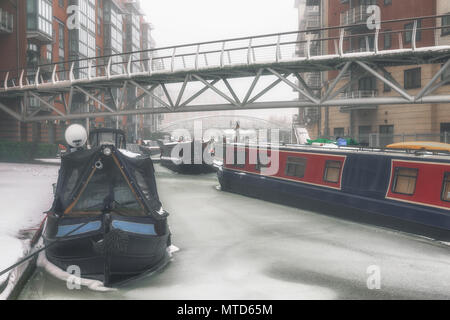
x: 91, y: 182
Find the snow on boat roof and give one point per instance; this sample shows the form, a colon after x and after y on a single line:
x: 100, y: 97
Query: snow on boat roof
x: 129, y: 154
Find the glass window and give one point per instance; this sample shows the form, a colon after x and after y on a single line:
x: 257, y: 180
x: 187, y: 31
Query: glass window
x: 339, y: 132
x: 446, y: 187
x: 108, y: 184
x: 240, y: 157
x: 413, y: 78
x: 446, y: 22
x: 409, y: 30
x: 296, y: 167
x: 260, y: 164
x: 388, y: 39
x: 387, y: 88
x: 332, y: 171
x: 405, y: 181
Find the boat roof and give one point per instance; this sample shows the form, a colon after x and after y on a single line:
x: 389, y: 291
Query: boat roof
x: 405, y: 153
x: 421, y: 145
x: 102, y: 130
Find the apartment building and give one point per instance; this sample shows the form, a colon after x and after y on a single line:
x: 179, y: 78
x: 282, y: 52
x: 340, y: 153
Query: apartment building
x: 36, y: 32
x: 381, y: 125
x: 312, y: 16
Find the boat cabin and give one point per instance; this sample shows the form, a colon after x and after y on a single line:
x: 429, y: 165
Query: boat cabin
x: 104, y: 136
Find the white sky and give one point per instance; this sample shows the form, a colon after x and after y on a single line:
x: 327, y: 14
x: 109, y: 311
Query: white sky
x: 189, y: 21
x: 185, y: 21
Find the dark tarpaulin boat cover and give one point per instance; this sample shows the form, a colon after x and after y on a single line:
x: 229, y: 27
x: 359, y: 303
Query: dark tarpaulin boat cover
x: 89, y: 180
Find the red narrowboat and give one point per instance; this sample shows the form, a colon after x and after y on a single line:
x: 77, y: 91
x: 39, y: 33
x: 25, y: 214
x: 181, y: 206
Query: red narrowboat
x: 410, y: 186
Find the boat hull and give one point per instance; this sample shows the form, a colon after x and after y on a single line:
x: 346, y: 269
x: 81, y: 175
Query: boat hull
x: 181, y: 165
x: 313, y: 197
x: 113, y: 250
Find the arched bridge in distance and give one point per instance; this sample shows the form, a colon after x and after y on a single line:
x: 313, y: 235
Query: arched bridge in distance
x: 104, y: 81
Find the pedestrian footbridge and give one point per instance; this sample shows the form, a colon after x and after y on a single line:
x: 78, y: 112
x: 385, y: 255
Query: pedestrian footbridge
x: 287, y: 57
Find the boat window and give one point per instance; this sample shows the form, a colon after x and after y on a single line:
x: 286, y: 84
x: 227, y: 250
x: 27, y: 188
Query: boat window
x: 70, y: 185
x: 405, y: 181
x: 446, y: 187
x: 108, y: 187
x: 295, y: 167
x: 332, y: 171
x: 240, y: 157
x: 259, y: 165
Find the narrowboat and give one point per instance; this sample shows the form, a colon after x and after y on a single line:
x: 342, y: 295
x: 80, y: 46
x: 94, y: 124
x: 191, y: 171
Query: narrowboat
x: 185, y: 157
x: 407, y: 185
x: 106, y: 217
x: 150, y: 148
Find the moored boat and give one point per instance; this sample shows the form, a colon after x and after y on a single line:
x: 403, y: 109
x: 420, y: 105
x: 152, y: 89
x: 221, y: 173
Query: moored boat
x: 413, y: 187
x: 185, y: 156
x: 106, y: 218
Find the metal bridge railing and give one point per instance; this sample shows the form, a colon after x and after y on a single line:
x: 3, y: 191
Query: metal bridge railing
x: 273, y: 48
x: 381, y: 140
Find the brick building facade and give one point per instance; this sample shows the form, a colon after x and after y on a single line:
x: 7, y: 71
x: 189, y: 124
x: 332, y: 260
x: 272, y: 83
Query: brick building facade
x: 36, y: 33
x: 381, y: 125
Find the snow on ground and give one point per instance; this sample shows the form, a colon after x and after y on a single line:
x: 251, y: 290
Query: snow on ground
x: 25, y: 193
x: 50, y: 161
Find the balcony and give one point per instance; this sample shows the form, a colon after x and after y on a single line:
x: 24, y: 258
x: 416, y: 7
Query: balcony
x: 311, y: 115
x: 313, y: 22
x: 6, y: 22
x: 355, y: 15
x: 359, y: 94
x: 39, y: 21
x: 314, y: 80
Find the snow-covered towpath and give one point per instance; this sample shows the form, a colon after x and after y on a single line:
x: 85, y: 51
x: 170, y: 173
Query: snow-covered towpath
x: 25, y: 193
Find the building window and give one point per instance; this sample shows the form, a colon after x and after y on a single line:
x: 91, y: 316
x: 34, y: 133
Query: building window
x: 61, y: 3
x: 446, y: 188
x: 332, y: 171
x: 413, y: 78
x: 446, y: 22
x: 446, y: 76
x: 367, y: 84
x: 386, y: 135
x: 388, y: 39
x: 405, y: 181
x: 409, y: 31
x: 295, y: 167
x: 61, y: 41
x: 364, y: 134
x: 387, y: 2
x: 339, y: 132
x: 387, y: 88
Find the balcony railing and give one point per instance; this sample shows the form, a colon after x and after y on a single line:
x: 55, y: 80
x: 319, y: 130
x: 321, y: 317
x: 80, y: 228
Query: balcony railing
x: 359, y: 94
x: 313, y: 22
x: 354, y: 15
x: 6, y: 22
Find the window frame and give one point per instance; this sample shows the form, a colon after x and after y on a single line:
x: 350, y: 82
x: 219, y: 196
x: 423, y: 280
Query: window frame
x: 235, y: 157
x: 387, y: 39
x: 327, y: 166
x: 408, y: 30
x: 445, y: 179
x: 407, y: 85
x: 303, y: 162
x: 395, y: 179
x: 445, y: 31
x: 259, y: 165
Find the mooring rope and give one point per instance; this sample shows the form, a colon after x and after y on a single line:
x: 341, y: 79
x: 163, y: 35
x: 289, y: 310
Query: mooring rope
x: 41, y: 249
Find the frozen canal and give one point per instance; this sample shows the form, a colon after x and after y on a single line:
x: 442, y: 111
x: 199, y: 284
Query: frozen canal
x: 234, y: 247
